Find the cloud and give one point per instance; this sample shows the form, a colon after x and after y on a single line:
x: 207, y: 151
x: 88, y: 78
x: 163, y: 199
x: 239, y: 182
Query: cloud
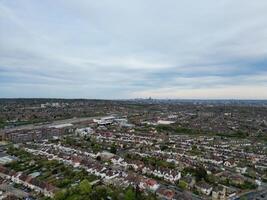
x: 119, y: 49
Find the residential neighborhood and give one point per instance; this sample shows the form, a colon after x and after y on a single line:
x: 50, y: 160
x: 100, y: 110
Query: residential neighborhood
x: 144, y: 154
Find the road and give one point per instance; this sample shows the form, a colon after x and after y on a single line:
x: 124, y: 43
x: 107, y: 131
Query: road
x: 256, y: 195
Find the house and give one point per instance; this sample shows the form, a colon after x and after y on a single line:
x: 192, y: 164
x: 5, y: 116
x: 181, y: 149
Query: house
x: 49, y: 190
x: 104, y: 121
x: 172, y: 176
x: 219, y: 193
x: 149, y: 184
x: 82, y: 132
x: 133, y: 179
x: 34, y: 184
x: 241, y: 170
x: 231, y: 192
x: 166, y: 193
x: 123, y: 123
x: 204, y: 188
x: 105, y: 155
x: 237, y: 179
x: 168, y: 175
x: 222, y: 192
x: 110, y: 174
x: 5, y: 172
x: 229, y: 163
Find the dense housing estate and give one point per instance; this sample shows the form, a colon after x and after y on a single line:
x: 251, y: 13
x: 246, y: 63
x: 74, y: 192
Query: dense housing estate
x: 137, y: 149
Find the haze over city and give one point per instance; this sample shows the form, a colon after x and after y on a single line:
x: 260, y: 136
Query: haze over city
x: 133, y: 49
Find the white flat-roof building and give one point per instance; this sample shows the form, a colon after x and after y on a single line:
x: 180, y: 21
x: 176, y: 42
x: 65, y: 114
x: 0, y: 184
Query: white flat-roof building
x: 61, y: 126
x: 165, y: 122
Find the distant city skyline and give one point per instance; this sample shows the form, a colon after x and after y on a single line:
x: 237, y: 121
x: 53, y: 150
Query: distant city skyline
x: 133, y: 49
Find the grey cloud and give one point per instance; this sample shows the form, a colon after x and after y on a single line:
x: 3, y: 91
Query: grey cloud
x: 130, y: 46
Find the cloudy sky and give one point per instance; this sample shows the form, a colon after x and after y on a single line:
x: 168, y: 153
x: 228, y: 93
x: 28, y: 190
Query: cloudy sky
x: 130, y: 49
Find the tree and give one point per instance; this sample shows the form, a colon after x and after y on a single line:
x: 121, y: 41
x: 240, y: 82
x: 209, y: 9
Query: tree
x: 201, y: 173
x: 194, y: 148
x: 69, y: 140
x: 61, y: 195
x: 85, y: 187
x: 182, y: 185
x: 129, y: 194
x: 100, y: 192
x: 98, y: 158
x: 113, y: 149
x: 211, y: 179
x: 163, y: 147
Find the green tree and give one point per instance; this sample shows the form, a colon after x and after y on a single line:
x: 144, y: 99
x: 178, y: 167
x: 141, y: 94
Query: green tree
x: 100, y: 192
x: 85, y: 187
x: 129, y: 194
x: 61, y: 195
x: 201, y: 173
x: 182, y: 185
x: 113, y: 149
x: 163, y: 147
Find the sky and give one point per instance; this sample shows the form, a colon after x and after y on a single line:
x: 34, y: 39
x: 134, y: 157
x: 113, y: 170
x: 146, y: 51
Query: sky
x: 120, y: 49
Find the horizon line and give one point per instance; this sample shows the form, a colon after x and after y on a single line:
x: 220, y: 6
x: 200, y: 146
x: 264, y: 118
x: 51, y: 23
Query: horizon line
x: 137, y: 98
